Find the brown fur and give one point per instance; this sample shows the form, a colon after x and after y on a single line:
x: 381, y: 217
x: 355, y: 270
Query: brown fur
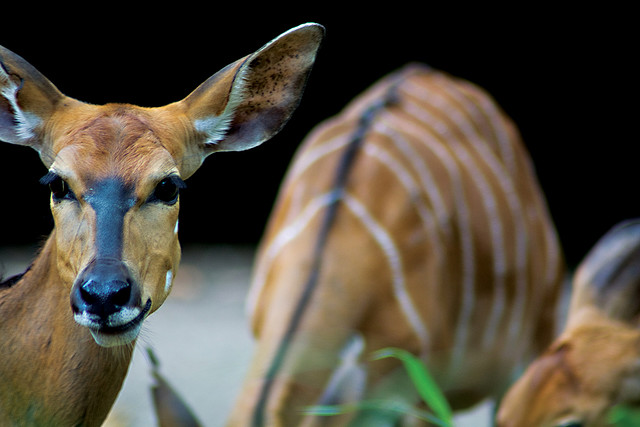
x: 52, y: 371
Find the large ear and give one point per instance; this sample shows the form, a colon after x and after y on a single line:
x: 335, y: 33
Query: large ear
x: 249, y: 101
x: 609, y: 276
x: 27, y: 99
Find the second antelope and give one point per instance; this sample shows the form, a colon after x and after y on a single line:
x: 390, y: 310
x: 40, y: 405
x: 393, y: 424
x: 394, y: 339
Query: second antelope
x: 115, y: 173
x: 595, y: 362
x: 414, y: 220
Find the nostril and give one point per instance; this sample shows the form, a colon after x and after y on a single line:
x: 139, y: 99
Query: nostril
x: 122, y: 295
x: 88, y: 294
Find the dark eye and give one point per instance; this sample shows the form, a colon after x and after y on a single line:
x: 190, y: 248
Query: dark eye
x: 168, y: 189
x: 59, y: 188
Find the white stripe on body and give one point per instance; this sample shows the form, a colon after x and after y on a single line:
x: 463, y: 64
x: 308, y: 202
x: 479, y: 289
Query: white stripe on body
x: 377, y: 232
x: 413, y: 191
x: 462, y: 153
x: 505, y: 179
x: 286, y: 235
x: 317, y: 152
x: 463, y: 224
x: 426, y: 180
x: 486, y: 154
x: 482, y: 106
x: 390, y: 249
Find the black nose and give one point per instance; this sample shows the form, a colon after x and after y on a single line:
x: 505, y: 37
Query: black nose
x: 103, y: 288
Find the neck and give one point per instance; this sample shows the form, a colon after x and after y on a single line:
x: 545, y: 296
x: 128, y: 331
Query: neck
x: 52, y: 371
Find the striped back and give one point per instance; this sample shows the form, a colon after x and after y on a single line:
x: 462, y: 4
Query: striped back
x: 412, y: 219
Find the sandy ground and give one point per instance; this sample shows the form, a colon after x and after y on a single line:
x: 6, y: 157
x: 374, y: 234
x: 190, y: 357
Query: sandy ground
x: 200, y: 336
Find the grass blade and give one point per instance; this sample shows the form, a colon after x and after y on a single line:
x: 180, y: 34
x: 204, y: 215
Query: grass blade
x: 379, y: 406
x: 422, y: 380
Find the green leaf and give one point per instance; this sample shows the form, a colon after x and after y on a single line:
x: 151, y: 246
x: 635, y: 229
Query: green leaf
x: 624, y: 416
x: 422, y: 380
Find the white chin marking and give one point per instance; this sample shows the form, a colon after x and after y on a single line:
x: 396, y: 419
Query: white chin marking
x: 114, y: 340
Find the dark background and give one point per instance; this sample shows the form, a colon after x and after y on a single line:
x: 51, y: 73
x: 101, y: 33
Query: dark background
x: 567, y: 77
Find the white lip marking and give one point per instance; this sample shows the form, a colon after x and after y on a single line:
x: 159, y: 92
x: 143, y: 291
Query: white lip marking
x: 124, y: 316
x: 119, y: 318
x: 175, y: 230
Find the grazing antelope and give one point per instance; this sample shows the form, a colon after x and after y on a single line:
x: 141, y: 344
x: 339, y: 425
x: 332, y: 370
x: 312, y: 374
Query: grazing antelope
x: 595, y: 362
x: 413, y: 220
x: 115, y: 173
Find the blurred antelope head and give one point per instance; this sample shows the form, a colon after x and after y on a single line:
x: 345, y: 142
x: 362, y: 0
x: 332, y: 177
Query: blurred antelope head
x: 595, y: 363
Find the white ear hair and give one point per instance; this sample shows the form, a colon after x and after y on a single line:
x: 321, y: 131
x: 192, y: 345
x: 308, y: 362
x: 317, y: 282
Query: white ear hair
x: 27, y: 99
x: 249, y: 101
x: 216, y: 127
x: 16, y: 126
